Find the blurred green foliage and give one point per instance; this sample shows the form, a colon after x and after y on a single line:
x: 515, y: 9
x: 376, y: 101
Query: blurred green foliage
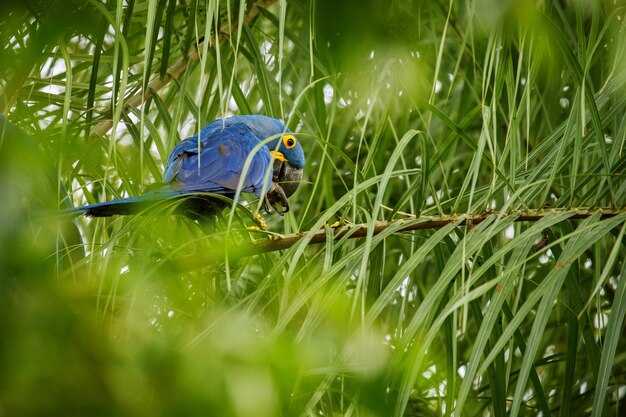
x: 404, y: 108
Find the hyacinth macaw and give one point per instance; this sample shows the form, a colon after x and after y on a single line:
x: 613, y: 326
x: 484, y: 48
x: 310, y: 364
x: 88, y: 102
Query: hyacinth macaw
x: 216, y: 165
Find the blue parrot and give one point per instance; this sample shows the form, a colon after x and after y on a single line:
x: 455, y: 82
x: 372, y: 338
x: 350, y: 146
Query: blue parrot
x: 215, y: 163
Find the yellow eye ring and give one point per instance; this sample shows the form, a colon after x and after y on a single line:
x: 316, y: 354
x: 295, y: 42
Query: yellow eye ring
x: 289, y: 141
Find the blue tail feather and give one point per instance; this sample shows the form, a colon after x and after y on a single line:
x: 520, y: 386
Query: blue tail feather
x: 131, y: 205
x: 194, y: 204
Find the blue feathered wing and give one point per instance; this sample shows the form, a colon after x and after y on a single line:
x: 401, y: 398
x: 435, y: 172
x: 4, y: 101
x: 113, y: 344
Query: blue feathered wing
x: 217, y: 164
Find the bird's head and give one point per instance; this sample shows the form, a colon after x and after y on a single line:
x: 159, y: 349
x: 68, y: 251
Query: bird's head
x: 284, y: 147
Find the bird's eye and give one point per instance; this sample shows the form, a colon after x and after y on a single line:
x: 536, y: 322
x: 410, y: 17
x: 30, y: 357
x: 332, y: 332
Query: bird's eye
x: 289, y: 141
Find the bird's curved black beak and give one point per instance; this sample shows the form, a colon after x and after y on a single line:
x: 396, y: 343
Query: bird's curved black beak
x: 288, y: 177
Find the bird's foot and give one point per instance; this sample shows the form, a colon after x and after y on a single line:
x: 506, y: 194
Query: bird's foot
x: 277, y: 199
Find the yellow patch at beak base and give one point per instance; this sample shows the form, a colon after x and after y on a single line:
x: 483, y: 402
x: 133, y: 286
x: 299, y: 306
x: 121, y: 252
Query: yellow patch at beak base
x: 278, y: 155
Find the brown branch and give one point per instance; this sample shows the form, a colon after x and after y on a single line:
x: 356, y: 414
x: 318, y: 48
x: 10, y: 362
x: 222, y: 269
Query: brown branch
x: 276, y: 243
x: 177, y: 68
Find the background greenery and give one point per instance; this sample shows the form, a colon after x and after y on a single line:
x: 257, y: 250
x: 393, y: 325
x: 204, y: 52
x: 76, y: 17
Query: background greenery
x: 404, y: 108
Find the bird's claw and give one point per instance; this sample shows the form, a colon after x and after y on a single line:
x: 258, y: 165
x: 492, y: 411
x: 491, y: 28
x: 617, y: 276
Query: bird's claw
x: 277, y: 199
